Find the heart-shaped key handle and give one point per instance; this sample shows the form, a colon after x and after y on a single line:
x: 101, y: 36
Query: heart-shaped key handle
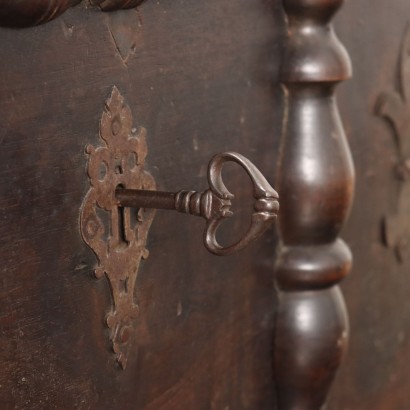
x: 214, y: 204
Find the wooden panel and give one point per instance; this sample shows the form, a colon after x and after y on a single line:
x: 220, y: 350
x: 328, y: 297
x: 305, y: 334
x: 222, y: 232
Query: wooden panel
x: 375, y: 374
x: 202, y: 77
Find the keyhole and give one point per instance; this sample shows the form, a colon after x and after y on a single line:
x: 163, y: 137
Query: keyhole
x: 119, y: 168
x: 122, y: 233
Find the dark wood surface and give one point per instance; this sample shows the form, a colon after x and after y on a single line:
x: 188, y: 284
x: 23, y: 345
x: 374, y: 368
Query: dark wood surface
x: 202, y: 78
x: 375, y: 372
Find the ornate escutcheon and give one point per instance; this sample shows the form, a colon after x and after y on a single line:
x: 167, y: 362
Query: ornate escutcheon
x: 119, y: 208
x: 117, y: 235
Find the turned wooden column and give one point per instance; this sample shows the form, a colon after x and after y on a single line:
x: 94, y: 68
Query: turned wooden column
x: 316, y: 181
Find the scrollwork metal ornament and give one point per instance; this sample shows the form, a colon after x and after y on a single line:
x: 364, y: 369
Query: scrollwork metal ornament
x: 119, y: 239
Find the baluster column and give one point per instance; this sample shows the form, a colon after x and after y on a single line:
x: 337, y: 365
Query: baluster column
x: 315, y: 181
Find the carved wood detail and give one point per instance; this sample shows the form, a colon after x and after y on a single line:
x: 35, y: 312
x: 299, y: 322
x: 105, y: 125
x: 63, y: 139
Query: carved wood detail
x: 316, y: 183
x: 24, y: 13
x: 394, y: 106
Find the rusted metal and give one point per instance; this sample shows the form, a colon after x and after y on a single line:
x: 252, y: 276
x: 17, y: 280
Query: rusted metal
x: 117, y: 235
x: 145, y: 199
x: 213, y: 204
